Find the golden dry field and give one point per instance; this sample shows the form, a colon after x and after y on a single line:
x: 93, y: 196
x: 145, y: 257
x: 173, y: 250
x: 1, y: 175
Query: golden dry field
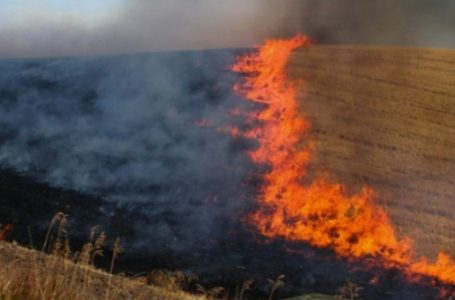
x: 385, y: 117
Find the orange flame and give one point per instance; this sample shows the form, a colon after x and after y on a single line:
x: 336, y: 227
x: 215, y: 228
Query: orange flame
x: 5, y: 231
x: 320, y: 213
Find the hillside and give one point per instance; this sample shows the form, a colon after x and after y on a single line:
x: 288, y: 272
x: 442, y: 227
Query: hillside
x: 385, y: 117
x: 30, y: 274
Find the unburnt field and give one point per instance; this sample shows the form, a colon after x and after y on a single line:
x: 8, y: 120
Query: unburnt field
x: 385, y: 117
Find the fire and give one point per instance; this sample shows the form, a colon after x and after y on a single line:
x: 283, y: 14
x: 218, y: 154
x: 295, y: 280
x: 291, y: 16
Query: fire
x: 318, y: 212
x: 5, y: 231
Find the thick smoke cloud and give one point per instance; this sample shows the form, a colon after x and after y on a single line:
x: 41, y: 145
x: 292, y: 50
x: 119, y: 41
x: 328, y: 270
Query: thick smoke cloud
x: 405, y: 22
x: 141, y: 25
x: 144, y: 132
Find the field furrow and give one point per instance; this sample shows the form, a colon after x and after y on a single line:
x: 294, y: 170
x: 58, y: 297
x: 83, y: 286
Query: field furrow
x: 385, y: 117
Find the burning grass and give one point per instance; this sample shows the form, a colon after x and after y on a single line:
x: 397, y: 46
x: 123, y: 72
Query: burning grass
x: 291, y: 206
x: 315, y: 210
x: 384, y: 116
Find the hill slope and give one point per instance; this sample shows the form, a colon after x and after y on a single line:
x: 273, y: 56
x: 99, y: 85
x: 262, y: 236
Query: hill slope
x: 385, y: 117
x: 30, y: 274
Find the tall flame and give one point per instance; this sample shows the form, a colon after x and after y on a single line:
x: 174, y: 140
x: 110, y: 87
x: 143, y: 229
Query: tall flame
x: 320, y: 212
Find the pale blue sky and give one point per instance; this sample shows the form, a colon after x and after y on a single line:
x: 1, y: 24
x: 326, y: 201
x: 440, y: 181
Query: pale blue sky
x: 17, y: 12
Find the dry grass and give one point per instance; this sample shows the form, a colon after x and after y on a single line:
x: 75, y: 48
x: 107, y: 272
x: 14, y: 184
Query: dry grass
x: 55, y: 272
x: 27, y: 274
x: 385, y: 117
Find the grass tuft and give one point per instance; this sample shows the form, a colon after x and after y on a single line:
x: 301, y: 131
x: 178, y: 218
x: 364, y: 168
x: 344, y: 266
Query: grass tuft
x: 57, y: 273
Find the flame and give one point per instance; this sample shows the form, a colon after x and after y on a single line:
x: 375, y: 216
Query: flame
x: 320, y: 212
x: 5, y: 231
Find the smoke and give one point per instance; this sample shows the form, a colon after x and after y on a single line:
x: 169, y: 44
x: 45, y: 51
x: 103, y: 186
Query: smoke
x: 140, y: 26
x: 406, y: 23
x: 141, y: 131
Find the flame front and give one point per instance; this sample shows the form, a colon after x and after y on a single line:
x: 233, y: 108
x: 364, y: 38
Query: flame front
x: 318, y: 212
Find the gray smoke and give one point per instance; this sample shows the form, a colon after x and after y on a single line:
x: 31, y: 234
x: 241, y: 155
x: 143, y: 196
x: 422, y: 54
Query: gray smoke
x: 423, y: 23
x: 141, y: 25
x: 140, y: 131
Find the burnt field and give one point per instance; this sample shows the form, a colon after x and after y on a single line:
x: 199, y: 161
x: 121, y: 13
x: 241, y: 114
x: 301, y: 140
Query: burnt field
x: 385, y: 117
x: 139, y: 145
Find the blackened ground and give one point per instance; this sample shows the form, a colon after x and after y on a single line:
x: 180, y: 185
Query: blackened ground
x: 145, y: 132
x: 238, y: 256
x: 141, y: 134
x: 29, y: 206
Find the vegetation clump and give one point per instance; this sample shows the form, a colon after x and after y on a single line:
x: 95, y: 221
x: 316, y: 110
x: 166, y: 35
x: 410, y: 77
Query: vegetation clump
x: 56, y: 272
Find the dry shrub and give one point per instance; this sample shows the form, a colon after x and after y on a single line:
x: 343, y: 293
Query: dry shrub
x: 58, y: 273
x: 171, y: 280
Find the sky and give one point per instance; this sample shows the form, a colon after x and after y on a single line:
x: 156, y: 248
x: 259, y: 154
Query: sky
x: 15, y: 13
x: 90, y: 27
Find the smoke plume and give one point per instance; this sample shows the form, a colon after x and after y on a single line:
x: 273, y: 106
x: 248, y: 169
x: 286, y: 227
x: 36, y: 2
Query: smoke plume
x: 141, y: 26
x: 143, y: 132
